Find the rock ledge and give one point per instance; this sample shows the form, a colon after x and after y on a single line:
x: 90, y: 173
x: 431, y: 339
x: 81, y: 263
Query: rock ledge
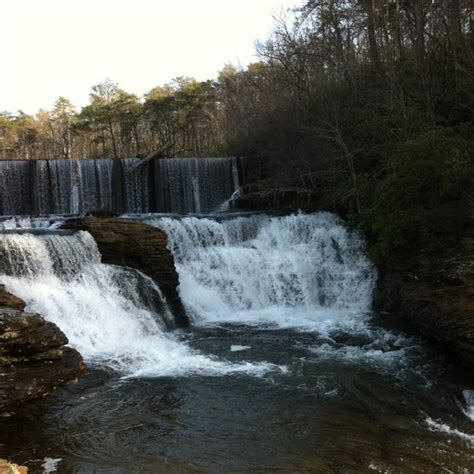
x: 33, y: 357
x: 140, y: 246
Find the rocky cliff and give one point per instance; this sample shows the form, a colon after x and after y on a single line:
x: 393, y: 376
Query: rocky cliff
x: 34, y: 359
x: 435, y: 293
x: 140, y: 246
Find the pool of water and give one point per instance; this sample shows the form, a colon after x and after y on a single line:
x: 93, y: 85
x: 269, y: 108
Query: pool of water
x: 382, y: 403
x: 284, y: 368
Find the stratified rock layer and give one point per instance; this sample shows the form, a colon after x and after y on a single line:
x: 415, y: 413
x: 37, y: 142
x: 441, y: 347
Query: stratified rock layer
x: 33, y: 358
x: 435, y: 293
x: 140, y: 246
x: 10, y: 301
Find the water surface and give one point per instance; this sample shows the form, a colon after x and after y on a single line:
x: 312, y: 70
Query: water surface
x: 285, y: 368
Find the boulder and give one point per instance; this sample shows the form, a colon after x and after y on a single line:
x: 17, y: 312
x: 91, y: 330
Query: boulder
x: 34, y: 359
x: 140, y: 246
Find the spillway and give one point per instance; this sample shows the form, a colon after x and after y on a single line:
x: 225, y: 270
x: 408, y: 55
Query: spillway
x: 175, y: 185
x: 195, y: 185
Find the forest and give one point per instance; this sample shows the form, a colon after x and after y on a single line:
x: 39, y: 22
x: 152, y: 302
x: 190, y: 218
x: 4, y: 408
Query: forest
x: 366, y: 104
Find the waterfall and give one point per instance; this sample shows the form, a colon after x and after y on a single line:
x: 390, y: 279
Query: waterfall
x: 104, y: 171
x: 116, y: 317
x: 136, y: 187
x: 14, y: 187
x: 178, y: 185
x: 300, y: 270
x: 61, y: 178
x: 42, y: 190
x: 195, y: 185
x: 58, y: 186
x: 77, y: 186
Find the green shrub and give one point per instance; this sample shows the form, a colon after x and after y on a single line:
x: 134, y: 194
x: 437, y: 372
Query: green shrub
x: 425, y: 196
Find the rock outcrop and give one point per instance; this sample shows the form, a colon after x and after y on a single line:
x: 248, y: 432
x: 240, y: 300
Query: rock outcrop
x: 33, y: 357
x: 140, y: 246
x: 435, y: 294
x: 10, y: 468
x: 7, y: 300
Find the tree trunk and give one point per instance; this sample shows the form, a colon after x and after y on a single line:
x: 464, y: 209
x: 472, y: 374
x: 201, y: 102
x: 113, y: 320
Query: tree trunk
x: 420, y: 34
x: 154, y: 154
x: 373, y: 48
x: 112, y: 136
x: 420, y: 48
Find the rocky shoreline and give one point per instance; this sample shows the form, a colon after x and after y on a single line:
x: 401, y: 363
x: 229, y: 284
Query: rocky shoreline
x: 34, y: 358
x: 434, y: 293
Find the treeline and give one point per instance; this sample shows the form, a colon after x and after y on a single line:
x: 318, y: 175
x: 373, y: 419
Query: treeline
x: 343, y: 81
x: 367, y: 104
x: 118, y: 124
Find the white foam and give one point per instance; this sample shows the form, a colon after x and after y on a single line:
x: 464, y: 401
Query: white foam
x: 239, y: 348
x: 384, y: 347
x: 443, y: 428
x: 304, y: 272
x: 357, y: 353
x: 50, y: 465
x: 298, y: 271
x: 101, y: 309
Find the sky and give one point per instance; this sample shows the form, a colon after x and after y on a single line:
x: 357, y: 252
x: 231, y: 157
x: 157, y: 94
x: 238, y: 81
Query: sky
x: 52, y: 48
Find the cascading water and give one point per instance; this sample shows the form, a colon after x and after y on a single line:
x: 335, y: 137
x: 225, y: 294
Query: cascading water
x: 14, y: 186
x: 115, y: 317
x: 56, y: 186
x: 95, y: 185
x: 42, y: 191
x: 178, y: 185
x: 104, y: 185
x: 76, y: 186
x: 299, y: 270
x: 136, y: 187
x: 195, y: 185
x: 63, y: 186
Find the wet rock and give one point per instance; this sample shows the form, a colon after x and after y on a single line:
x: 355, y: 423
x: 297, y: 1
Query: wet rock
x: 9, y: 300
x: 34, y: 359
x: 140, y: 246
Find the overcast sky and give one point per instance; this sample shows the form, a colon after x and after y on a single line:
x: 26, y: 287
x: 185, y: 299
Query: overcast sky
x: 51, y: 48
